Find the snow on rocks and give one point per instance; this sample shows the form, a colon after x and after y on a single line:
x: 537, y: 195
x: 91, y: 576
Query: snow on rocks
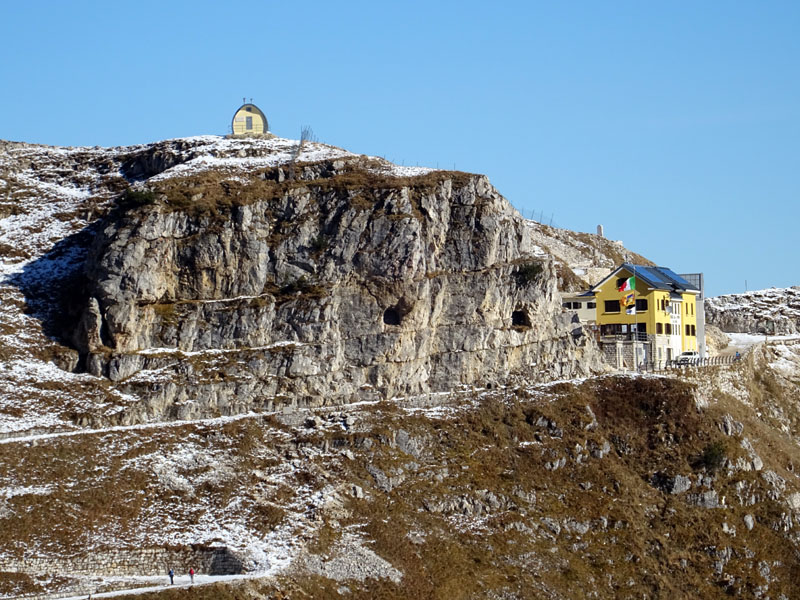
x: 350, y: 560
x: 775, y: 311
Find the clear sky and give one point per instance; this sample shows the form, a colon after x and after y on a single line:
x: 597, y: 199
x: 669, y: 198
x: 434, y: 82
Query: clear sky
x: 675, y: 125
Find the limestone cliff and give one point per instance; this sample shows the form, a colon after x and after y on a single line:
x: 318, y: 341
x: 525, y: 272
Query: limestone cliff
x: 765, y: 312
x: 328, y: 282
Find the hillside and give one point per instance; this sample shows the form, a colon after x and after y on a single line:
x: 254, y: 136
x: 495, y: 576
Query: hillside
x: 581, y: 259
x: 617, y: 487
x: 312, y: 373
x: 775, y: 311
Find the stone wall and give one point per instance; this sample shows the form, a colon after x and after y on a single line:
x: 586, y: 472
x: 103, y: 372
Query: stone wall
x: 147, y: 561
x: 620, y: 353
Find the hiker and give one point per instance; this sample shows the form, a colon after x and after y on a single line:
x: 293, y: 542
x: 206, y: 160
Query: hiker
x: 171, y: 577
x: 191, y: 574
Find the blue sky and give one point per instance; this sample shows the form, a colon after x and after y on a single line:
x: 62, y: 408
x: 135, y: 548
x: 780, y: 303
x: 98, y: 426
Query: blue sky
x: 676, y: 126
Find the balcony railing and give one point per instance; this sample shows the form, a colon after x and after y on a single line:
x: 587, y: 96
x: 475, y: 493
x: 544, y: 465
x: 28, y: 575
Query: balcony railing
x: 638, y: 336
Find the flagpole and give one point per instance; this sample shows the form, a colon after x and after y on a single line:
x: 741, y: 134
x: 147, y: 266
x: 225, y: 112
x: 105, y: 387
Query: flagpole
x: 635, y: 336
x: 635, y: 320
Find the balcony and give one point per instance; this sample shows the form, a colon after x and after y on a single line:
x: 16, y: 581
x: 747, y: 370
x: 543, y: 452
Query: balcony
x: 631, y: 336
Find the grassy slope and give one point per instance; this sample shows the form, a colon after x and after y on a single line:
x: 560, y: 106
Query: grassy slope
x: 593, y: 526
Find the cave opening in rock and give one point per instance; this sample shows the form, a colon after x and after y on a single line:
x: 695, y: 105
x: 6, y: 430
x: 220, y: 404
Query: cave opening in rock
x: 391, y: 316
x: 520, y: 318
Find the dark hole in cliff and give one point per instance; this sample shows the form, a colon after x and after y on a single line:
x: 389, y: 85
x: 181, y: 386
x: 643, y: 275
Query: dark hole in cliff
x: 391, y: 316
x: 519, y: 318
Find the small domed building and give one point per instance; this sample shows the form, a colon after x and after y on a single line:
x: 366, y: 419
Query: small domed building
x: 249, y: 119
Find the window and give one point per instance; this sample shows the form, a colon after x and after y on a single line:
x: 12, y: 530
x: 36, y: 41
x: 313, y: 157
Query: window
x: 688, y: 330
x: 641, y: 304
x: 612, y: 306
x: 591, y: 305
x: 659, y: 328
x: 668, y: 328
x: 611, y: 329
x: 694, y: 330
x: 566, y: 304
x: 577, y: 304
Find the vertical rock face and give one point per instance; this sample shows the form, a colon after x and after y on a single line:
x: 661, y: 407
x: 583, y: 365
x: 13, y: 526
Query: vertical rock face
x: 775, y: 311
x: 331, y: 286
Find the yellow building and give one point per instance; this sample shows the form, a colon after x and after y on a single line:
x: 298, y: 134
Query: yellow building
x: 651, y: 305
x: 249, y: 119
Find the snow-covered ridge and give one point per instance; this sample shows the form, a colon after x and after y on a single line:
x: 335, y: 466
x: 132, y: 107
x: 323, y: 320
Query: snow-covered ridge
x: 244, y: 154
x: 772, y: 311
x: 773, y: 296
x: 238, y: 155
x: 50, y: 192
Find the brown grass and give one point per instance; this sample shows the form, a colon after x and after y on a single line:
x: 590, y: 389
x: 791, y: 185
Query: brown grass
x: 18, y: 584
x: 213, y: 195
x: 660, y: 542
x: 568, y: 281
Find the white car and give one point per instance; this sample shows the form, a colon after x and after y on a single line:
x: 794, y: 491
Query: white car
x: 685, y: 358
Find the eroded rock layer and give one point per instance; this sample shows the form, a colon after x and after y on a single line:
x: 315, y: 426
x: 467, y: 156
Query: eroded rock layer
x: 324, y: 284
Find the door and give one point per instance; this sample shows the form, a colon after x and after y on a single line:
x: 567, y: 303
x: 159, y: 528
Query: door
x: 249, y: 123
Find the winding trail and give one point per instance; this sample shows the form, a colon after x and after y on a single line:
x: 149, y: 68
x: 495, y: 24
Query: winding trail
x: 181, y: 582
x: 143, y: 426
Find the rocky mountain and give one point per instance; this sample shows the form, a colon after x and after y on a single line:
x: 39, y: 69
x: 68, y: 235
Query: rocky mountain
x: 581, y: 259
x: 775, y: 311
x: 220, y: 276
x: 310, y: 373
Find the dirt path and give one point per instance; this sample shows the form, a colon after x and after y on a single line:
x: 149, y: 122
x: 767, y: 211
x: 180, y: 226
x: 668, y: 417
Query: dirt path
x: 181, y: 582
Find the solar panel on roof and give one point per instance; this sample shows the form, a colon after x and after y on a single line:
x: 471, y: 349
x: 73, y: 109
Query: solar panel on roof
x: 677, y: 278
x: 660, y: 276
x: 655, y: 276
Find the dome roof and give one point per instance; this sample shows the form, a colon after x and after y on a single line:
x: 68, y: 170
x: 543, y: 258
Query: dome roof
x: 248, y: 118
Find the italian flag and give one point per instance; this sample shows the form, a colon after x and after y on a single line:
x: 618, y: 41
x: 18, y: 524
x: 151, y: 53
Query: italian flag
x: 628, y: 284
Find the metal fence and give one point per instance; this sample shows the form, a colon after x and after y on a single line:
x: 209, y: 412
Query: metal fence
x: 666, y: 365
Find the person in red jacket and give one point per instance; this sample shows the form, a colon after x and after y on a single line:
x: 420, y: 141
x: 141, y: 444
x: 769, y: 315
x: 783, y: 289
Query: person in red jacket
x: 191, y: 574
